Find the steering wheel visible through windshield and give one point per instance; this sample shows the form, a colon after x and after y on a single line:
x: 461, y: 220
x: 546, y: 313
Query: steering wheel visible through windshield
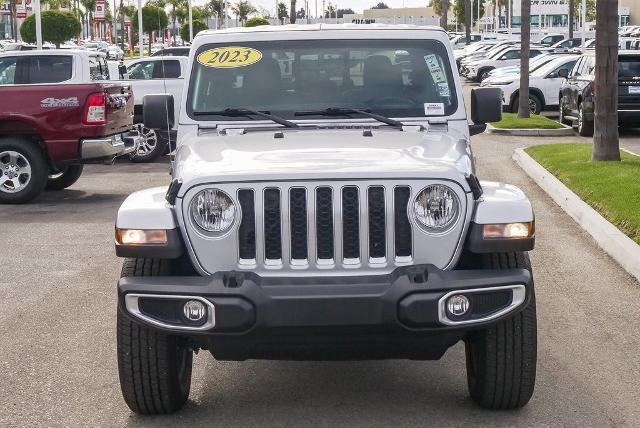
x: 398, y: 78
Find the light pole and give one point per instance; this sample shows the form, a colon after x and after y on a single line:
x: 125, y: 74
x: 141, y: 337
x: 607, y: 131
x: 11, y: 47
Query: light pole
x: 190, y: 24
x: 36, y: 9
x: 584, y: 20
x: 140, y: 44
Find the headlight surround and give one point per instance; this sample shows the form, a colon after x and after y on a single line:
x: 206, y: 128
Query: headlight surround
x: 213, y: 210
x: 436, y: 208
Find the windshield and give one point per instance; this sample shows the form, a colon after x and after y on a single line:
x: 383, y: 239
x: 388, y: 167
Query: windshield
x: 629, y: 67
x: 397, y: 78
x: 555, y: 64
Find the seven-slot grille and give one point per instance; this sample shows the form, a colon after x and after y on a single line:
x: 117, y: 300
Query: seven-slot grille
x: 324, y: 225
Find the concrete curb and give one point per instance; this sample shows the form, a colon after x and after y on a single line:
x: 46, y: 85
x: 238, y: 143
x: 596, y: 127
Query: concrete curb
x: 615, y: 243
x: 560, y: 132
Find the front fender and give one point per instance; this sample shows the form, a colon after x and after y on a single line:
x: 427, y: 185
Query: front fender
x: 502, y: 203
x: 148, y: 210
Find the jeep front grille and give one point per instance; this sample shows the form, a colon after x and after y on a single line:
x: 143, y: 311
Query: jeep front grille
x: 347, y: 225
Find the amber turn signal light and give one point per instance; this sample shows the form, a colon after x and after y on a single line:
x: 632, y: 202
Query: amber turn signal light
x: 508, y: 230
x: 141, y: 236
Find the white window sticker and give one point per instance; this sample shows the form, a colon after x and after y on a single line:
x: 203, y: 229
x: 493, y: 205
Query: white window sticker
x: 433, y: 109
x: 435, y: 68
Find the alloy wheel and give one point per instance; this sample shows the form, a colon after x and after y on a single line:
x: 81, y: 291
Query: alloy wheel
x: 149, y: 139
x: 15, y: 171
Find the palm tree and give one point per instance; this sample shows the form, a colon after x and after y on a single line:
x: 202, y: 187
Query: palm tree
x: 242, y: 10
x: 571, y: 17
x: 216, y: 8
x: 606, y: 143
x: 525, y: 50
x: 174, y: 4
x: 89, y: 7
x: 467, y: 20
x: 441, y: 8
x: 292, y: 12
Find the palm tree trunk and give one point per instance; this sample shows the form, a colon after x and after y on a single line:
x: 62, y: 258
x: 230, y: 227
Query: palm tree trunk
x: 292, y: 12
x: 606, y: 144
x: 444, y: 10
x: 467, y: 20
x: 525, y: 44
x: 571, y: 17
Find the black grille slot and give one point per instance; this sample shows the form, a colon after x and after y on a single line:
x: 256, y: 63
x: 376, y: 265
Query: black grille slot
x: 402, y: 225
x: 350, y: 223
x: 247, y: 230
x: 483, y: 304
x: 324, y: 223
x: 272, y: 228
x: 377, y: 239
x: 298, y: 214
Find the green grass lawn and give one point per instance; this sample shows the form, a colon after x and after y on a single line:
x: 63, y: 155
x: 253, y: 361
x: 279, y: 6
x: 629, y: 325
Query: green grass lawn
x: 611, y: 188
x: 511, y: 121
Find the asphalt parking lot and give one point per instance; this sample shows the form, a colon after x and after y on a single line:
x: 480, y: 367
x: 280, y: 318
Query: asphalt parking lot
x: 57, y: 317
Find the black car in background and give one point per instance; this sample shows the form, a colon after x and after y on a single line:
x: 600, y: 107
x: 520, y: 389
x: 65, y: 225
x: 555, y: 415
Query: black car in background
x: 577, y: 92
x: 175, y: 51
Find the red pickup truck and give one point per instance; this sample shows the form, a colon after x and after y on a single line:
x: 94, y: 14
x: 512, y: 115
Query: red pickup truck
x: 57, y: 112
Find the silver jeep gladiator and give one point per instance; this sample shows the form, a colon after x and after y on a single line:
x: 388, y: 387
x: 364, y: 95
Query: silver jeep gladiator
x: 323, y: 205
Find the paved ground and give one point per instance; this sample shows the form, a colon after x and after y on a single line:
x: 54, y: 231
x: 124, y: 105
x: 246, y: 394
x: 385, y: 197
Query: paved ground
x: 57, y: 318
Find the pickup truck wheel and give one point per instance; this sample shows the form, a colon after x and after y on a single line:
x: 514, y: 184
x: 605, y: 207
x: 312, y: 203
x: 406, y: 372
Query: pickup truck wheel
x: 64, y: 177
x: 501, y: 360
x: 585, y: 127
x: 23, y: 171
x: 151, y: 147
x: 154, y: 367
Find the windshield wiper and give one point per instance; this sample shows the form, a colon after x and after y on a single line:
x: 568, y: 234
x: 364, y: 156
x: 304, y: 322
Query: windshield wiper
x: 345, y: 111
x: 236, y: 112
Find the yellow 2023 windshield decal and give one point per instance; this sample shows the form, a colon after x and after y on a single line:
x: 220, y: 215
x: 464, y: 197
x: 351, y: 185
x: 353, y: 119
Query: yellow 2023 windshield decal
x: 229, y: 57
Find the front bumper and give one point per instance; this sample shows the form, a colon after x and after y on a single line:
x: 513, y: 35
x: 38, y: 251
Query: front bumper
x: 108, y: 148
x: 399, y: 315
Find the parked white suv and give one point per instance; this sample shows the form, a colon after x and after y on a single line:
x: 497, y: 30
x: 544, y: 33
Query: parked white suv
x: 479, y: 70
x: 324, y: 205
x: 544, y: 85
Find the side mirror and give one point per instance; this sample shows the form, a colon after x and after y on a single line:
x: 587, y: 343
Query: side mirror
x: 563, y: 72
x: 486, y: 106
x: 157, y: 111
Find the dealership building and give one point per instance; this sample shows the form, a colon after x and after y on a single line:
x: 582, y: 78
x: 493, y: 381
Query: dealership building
x: 555, y: 13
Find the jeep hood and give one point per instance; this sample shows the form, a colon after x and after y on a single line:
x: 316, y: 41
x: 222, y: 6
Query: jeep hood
x: 321, y: 155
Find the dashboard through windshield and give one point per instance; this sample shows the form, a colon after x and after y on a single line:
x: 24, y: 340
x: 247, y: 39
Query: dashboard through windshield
x: 396, y: 78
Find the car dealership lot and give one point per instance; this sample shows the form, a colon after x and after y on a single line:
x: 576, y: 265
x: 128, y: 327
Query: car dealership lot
x: 57, y: 315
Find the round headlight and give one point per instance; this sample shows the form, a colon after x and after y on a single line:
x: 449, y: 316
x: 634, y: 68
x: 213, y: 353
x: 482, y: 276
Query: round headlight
x: 436, y: 207
x: 213, y: 210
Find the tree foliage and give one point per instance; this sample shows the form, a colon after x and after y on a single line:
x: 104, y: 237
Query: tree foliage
x: 197, y: 27
x: 254, y: 22
x: 57, y: 27
x: 283, y: 13
x: 380, y: 5
x: 242, y: 10
x: 343, y: 12
x: 153, y: 19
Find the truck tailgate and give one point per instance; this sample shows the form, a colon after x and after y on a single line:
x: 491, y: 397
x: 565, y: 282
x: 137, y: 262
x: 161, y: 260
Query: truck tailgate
x: 119, y: 107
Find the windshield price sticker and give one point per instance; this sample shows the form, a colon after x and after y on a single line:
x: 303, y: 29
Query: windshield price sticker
x: 229, y: 57
x: 435, y: 69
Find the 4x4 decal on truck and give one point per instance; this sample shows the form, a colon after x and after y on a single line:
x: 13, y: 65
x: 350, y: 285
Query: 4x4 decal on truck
x: 60, y: 102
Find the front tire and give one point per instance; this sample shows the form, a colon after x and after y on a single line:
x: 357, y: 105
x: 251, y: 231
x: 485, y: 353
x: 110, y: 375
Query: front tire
x: 154, y: 367
x: 484, y: 74
x: 64, y: 178
x: 501, y: 360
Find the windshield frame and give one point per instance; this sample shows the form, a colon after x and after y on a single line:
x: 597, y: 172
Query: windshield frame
x: 401, y: 43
